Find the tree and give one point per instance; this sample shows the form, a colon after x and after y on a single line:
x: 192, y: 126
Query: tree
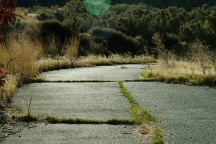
x: 7, y: 13
x: 7, y: 16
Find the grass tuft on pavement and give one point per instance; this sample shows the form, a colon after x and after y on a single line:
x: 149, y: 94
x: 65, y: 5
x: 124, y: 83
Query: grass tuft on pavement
x: 158, y: 138
x: 139, y: 114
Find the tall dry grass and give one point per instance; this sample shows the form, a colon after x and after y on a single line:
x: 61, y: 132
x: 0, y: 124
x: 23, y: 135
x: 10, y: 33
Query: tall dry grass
x: 72, y: 48
x: 91, y: 60
x: 18, y: 57
x: 24, y: 59
x: 52, y: 46
x: 197, y: 69
x: 8, y: 90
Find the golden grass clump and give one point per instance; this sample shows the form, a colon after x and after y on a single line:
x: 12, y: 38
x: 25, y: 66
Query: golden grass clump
x: 184, y: 72
x: 8, y: 90
x: 93, y: 60
x: 20, y: 56
x: 72, y: 48
x: 198, y: 69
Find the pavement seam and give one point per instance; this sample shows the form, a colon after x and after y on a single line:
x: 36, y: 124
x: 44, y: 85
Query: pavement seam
x: 84, y: 81
x: 55, y: 120
x: 142, y: 117
x: 138, y: 113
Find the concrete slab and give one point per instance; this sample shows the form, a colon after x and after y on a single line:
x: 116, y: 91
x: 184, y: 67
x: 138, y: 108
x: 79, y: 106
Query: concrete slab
x: 187, y: 114
x: 75, y: 134
x: 115, y: 73
x: 96, y: 101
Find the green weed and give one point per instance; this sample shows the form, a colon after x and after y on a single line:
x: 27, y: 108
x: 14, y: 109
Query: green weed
x: 139, y: 114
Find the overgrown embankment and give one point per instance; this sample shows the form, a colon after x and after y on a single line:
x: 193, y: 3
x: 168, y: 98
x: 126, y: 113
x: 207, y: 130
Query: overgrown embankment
x: 196, y: 68
x: 17, y: 59
x: 183, y: 73
x: 23, y: 59
x: 15, y: 79
x: 22, y: 66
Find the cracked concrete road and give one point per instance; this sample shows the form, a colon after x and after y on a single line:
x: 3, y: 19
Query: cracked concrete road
x: 75, y: 134
x: 187, y: 114
x: 95, y: 101
x: 109, y: 73
x: 88, y: 101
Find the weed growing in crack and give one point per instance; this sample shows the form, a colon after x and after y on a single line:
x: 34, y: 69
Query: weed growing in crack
x: 139, y: 114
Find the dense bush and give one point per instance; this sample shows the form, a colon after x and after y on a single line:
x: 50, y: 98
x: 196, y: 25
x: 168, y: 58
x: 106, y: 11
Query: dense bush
x: 88, y: 45
x: 105, y: 41
x: 116, y: 42
x: 54, y: 36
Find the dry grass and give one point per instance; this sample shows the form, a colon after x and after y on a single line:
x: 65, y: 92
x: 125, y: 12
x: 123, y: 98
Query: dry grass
x: 72, y: 48
x: 152, y: 132
x: 23, y: 58
x: 8, y: 90
x: 25, y: 16
x: 65, y: 62
x: 185, y: 72
x: 114, y: 59
x: 18, y: 57
x: 198, y: 69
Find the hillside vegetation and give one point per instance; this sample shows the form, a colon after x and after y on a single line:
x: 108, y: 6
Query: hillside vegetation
x: 158, y: 3
x: 134, y: 24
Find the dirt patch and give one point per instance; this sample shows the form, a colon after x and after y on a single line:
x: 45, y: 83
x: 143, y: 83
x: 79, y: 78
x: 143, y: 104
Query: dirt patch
x: 9, y: 125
